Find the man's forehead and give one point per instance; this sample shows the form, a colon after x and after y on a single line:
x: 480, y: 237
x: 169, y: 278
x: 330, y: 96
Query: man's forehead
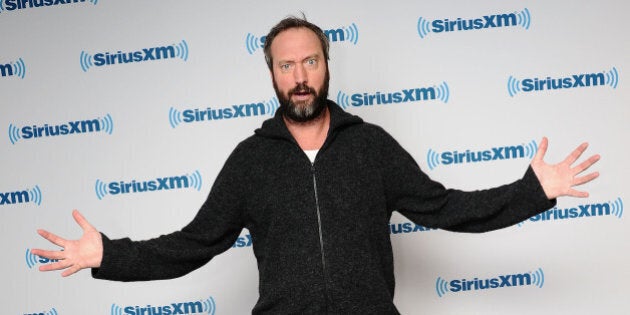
x: 296, y: 40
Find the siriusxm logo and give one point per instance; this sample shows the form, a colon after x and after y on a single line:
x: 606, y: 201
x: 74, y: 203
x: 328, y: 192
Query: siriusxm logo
x: 53, y: 311
x: 407, y: 227
x: 104, y: 124
x: 173, y: 51
x: 522, y: 19
x: 493, y: 154
x: 193, y: 181
x: 535, y: 278
x: 206, y: 306
x: 440, y: 92
x: 16, y: 68
x: 611, y: 208
x: 176, y: 117
x: 243, y: 241
x: 11, y: 5
x: 610, y: 78
x: 343, y: 34
x: 33, y: 195
x: 33, y: 260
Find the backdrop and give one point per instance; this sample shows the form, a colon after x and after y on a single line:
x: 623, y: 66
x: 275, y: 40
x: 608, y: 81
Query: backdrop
x: 101, y: 96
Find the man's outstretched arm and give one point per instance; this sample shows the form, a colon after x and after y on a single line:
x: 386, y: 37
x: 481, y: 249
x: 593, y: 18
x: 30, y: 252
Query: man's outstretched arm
x: 86, y: 252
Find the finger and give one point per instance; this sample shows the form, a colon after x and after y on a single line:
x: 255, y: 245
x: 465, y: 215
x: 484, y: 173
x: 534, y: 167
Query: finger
x: 585, y: 179
x: 81, y: 221
x: 48, y: 254
x: 571, y: 158
x: 52, y: 238
x: 577, y: 193
x: 70, y: 271
x: 586, y: 164
x: 542, y: 149
x: 60, y: 265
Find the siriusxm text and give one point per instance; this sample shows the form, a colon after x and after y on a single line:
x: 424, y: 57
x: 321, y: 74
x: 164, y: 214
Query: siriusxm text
x: 243, y: 241
x: 11, y: 5
x: 581, y: 211
x: 403, y: 96
x: 172, y: 309
x: 73, y: 127
x: 407, y: 227
x: 498, y: 153
x: 573, y: 81
x: 146, y: 54
x: 164, y: 183
x: 236, y: 111
x: 487, y: 21
x: 10, y: 198
x: 6, y: 70
x: 502, y: 281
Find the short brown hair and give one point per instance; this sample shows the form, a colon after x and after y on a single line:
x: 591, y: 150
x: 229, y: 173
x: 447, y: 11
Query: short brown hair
x: 294, y: 22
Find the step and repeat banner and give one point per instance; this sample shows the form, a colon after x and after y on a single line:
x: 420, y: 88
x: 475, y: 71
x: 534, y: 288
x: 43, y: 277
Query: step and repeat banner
x: 127, y: 110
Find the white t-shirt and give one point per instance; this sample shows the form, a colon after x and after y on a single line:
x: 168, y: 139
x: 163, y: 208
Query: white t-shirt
x: 311, y: 154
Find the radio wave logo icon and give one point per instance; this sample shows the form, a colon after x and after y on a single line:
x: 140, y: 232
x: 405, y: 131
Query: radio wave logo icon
x: 441, y: 286
x: 433, y: 159
x: 252, y: 43
x: 19, y: 68
x: 116, y: 310
x: 53, y: 311
x: 14, y: 134
x: 31, y: 259
x: 530, y: 149
x: 524, y: 19
x: 107, y: 124
x: 538, y: 278
x: 423, y: 27
x: 36, y: 195
x: 174, y: 117
x: 101, y: 189
x: 271, y: 106
x: 443, y: 92
x: 352, y: 33
x: 196, y: 180
x: 181, y: 50
x: 612, y: 77
x: 617, y: 207
x: 209, y: 306
x: 343, y: 99
x: 513, y: 86
x: 86, y: 61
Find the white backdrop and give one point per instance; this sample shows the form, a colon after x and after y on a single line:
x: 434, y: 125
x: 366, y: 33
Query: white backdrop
x: 126, y: 122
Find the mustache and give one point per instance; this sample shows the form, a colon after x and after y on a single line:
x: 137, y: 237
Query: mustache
x: 301, y: 88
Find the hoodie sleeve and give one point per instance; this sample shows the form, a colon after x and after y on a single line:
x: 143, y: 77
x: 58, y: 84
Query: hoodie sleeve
x: 428, y: 203
x: 214, y: 230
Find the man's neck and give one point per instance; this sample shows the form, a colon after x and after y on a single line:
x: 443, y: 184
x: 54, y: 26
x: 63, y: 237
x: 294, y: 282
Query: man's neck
x: 310, y: 135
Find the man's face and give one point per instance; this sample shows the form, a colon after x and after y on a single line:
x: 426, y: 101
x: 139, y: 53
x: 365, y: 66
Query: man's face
x: 299, y: 73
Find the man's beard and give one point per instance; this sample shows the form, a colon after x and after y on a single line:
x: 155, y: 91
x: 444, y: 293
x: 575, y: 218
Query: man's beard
x: 303, y: 111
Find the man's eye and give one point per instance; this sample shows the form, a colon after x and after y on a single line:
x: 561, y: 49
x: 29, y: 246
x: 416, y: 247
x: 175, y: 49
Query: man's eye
x: 311, y: 62
x: 285, y: 66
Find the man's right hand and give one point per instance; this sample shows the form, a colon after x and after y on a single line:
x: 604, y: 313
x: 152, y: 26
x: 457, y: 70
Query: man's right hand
x: 86, y: 252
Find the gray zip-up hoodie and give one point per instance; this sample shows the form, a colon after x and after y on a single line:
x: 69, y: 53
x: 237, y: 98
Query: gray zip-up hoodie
x: 320, y: 230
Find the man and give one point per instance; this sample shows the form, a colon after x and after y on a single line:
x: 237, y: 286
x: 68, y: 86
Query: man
x: 317, y: 200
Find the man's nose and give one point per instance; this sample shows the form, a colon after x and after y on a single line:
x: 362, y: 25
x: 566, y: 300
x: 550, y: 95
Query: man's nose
x: 300, y: 74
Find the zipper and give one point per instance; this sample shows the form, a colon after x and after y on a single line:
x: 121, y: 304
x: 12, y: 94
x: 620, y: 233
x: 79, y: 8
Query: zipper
x: 321, y: 237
